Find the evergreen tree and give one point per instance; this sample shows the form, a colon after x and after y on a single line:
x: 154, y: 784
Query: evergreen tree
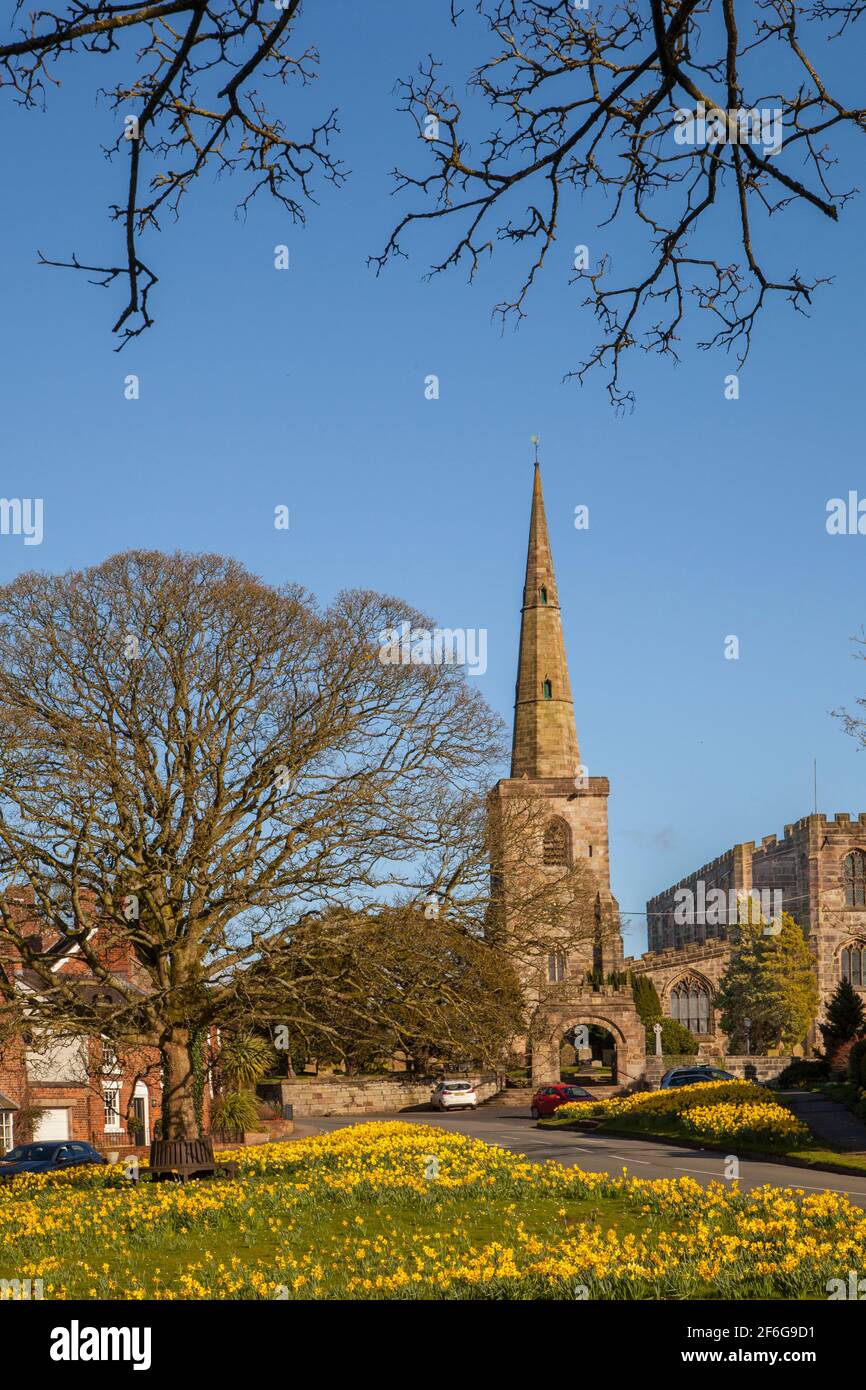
x: 770, y: 982
x: 846, y: 1018
x: 677, y: 1040
x: 646, y: 999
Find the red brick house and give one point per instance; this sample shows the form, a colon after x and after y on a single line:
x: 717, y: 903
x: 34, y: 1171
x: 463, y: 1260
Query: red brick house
x: 74, y: 1087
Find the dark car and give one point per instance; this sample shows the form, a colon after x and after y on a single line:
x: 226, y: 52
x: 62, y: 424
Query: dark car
x: 693, y: 1076
x: 44, y: 1158
x: 547, y: 1099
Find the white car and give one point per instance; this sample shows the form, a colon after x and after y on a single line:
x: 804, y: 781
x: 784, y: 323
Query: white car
x: 454, y: 1095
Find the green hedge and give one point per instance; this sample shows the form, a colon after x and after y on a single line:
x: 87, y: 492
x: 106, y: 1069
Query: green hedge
x: 803, y: 1071
x: 857, y: 1064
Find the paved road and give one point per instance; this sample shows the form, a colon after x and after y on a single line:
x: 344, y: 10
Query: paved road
x: 515, y: 1130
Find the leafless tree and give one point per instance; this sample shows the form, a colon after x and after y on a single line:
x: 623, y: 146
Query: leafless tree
x: 194, y: 764
x: 200, y: 775
x: 594, y: 101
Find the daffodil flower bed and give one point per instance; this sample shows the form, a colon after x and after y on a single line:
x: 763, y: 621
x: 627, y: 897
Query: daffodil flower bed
x: 759, y: 1121
x: 672, y: 1102
x: 712, y: 1110
x: 394, y: 1210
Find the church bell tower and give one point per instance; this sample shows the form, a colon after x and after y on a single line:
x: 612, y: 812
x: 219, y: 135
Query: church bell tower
x: 569, y: 806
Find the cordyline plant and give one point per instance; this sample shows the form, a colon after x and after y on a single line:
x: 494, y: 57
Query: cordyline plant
x: 200, y: 774
x: 570, y: 100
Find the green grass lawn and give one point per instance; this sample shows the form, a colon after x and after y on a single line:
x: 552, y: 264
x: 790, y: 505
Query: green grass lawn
x: 320, y: 1232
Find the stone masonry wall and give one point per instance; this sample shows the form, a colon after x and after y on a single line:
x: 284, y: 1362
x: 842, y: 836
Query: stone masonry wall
x: 345, y: 1095
x: 765, y: 1069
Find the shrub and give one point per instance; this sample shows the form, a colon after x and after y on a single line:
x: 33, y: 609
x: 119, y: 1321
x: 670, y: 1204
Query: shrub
x: 677, y: 1041
x: 802, y: 1072
x: 236, y: 1110
x: 839, y: 1059
x: 857, y: 1064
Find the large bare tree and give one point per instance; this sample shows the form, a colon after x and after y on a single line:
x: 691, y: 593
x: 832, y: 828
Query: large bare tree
x: 194, y: 763
x: 212, y: 779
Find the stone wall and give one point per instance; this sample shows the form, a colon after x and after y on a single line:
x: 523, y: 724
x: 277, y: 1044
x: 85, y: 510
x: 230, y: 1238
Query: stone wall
x: 347, y: 1095
x: 761, y: 1069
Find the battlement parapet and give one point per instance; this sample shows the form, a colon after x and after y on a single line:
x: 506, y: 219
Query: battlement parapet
x: 675, y: 955
x: 748, y: 849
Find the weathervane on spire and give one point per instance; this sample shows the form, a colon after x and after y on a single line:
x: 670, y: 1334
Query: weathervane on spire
x: 535, y: 440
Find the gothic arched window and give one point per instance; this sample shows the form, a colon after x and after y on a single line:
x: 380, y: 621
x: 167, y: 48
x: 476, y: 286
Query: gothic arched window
x: 853, y: 963
x: 548, y: 690
x: 855, y: 878
x: 556, y: 843
x: 690, y: 1005
x: 543, y: 596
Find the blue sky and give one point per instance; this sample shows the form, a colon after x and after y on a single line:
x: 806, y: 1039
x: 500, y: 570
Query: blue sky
x: 707, y: 516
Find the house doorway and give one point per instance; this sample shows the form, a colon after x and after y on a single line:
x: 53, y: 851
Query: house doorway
x: 140, y: 1111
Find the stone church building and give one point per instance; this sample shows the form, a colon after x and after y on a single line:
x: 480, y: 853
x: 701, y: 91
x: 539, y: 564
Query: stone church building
x: 817, y: 871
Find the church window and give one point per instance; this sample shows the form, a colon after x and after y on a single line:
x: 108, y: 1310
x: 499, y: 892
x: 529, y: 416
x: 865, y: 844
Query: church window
x: 853, y: 963
x: 690, y: 1005
x: 548, y: 690
x: 543, y: 595
x: 555, y: 966
x: 556, y: 846
x: 855, y: 878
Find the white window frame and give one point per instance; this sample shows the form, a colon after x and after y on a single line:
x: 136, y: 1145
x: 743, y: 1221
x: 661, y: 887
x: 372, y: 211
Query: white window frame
x: 7, y: 1130
x: 111, y: 1101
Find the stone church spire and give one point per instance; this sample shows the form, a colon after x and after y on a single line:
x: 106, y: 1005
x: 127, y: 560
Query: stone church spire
x: 545, y: 737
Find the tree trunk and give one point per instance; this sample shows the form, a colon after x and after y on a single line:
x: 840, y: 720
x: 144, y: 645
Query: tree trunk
x: 178, y: 1100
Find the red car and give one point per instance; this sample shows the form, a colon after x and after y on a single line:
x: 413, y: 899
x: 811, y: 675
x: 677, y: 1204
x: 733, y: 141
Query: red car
x: 549, y: 1098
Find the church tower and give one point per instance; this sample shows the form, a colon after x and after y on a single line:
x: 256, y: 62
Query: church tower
x: 569, y: 807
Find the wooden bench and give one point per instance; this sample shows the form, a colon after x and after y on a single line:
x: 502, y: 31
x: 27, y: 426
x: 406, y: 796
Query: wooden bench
x: 183, y: 1159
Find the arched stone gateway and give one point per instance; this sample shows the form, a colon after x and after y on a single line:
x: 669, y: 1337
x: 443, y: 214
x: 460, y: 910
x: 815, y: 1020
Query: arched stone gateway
x: 610, y: 1009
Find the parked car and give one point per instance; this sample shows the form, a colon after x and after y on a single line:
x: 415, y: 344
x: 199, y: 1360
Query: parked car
x: 549, y: 1098
x: 692, y: 1076
x: 454, y: 1095
x: 44, y: 1158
